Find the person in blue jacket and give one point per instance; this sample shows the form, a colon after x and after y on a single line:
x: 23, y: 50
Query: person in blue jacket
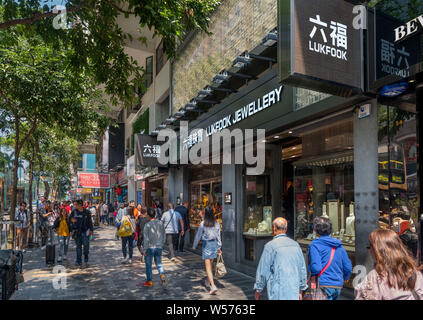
x: 340, y: 269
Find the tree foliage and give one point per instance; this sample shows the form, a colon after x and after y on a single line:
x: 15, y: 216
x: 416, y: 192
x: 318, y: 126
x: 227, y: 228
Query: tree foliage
x: 98, y: 40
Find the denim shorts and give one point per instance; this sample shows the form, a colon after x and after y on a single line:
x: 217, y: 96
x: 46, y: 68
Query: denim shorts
x: 209, y: 249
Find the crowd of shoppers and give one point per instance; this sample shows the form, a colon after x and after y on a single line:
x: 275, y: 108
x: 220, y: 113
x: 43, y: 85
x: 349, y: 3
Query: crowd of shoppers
x: 286, y: 272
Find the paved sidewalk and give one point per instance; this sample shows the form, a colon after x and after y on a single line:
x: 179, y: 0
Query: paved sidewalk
x: 107, y: 278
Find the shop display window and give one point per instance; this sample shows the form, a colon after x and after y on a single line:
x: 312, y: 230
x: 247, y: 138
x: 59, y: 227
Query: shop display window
x: 397, y: 163
x: 258, y: 218
x: 324, y: 182
x: 203, y: 194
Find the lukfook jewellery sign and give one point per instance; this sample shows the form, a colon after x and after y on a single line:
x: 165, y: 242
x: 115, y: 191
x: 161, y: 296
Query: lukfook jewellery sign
x: 319, y: 47
x: 254, y: 107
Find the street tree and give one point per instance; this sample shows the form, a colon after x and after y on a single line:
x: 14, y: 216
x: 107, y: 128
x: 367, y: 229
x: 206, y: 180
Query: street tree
x: 37, y: 89
x: 92, y: 29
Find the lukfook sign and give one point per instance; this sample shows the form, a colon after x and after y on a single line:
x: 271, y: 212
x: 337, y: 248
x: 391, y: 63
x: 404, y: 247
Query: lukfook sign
x: 268, y: 100
x: 256, y: 106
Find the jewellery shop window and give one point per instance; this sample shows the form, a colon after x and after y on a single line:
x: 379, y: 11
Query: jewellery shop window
x: 203, y: 194
x: 398, y: 202
x: 258, y: 217
x: 324, y: 184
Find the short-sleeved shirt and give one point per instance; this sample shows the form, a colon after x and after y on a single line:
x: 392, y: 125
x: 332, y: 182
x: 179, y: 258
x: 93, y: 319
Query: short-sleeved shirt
x: 171, y: 226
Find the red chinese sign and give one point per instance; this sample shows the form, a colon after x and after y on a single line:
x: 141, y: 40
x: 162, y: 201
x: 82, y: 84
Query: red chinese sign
x: 94, y: 180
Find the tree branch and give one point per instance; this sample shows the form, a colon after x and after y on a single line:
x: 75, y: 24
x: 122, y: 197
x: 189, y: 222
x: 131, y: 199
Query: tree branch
x: 29, y: 133
x: 118, y: 8
x: 38, y: 16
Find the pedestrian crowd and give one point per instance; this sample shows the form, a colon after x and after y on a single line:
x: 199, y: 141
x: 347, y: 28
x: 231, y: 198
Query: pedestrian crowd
x: 282, y: 268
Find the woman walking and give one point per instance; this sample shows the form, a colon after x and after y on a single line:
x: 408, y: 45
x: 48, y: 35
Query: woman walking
x: 62, y: 227
x: 328, y: 259
x: 395, y: 276
x: 141, y: 222
x: 209, y: 232
x: 128, y: 240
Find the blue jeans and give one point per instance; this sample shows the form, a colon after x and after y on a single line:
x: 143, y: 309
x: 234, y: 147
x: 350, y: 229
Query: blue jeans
x: 63, y: 245
x: 155, y: 253
x: 130, y: 241
x: 83, y: 240
x: 332, y: 293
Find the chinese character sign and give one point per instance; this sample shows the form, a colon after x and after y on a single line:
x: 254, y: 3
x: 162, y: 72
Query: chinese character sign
x: 147, y: 151
x: 320, y: 48
x: 93, y: 180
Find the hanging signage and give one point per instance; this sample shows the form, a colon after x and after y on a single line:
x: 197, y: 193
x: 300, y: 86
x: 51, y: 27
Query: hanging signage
x: 147, y: 151
x: 319, y: 47
x: 121, y: 177
x: 411, y: 28
x: 93, y: 180
x: 392, y: 56
x: 364, y: 111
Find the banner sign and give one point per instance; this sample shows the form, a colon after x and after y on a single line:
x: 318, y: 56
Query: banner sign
x: 319, y: 47
x: 147, y: 151
x: 93, y: 180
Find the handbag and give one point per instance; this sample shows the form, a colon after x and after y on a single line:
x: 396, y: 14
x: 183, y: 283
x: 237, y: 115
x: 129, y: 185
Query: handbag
x: 314, y: 292
x: 220, y: 270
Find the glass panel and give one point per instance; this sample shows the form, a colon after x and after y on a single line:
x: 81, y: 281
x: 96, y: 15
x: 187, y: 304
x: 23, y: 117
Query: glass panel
x: 398, y: 205
x: 258, y: 218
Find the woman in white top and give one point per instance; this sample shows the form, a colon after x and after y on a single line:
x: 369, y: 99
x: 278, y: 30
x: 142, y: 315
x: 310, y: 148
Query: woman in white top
x: 209, y: 232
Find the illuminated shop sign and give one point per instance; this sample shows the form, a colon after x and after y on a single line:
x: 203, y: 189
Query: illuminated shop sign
x: 411, y: 28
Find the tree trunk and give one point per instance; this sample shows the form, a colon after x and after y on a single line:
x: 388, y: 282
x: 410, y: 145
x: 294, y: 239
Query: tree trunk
x: 13, y: 203
x: 46, y: 189
x: 31, y: 178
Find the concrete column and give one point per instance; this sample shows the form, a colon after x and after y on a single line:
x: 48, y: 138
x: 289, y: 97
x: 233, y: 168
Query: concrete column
x: 178, y: 184
x: 365, y: 183
x: 232, y: 213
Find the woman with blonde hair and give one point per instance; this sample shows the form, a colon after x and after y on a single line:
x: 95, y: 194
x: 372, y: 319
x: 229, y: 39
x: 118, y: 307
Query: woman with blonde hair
x: 395, y: 276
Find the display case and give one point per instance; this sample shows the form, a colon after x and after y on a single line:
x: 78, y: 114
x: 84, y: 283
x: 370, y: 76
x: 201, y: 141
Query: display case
x: 325, y: 187
x: 258, y: 216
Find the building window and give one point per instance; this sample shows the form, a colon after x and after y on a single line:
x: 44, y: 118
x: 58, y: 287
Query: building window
x: 161, y: 58
x: 148, y: 71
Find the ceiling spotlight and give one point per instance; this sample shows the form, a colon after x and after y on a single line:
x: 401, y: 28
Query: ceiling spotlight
x: 276, y: 137
x: 191, y: 105
x: 204, y: 93
x: 221, y: 78
x: 290, y: 132
x: 242, y: 60
x: 170, y: 120
x: 271, y: 39
x: 179, y: 114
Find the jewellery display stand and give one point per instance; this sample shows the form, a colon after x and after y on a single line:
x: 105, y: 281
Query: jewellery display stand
x: 334, y: 208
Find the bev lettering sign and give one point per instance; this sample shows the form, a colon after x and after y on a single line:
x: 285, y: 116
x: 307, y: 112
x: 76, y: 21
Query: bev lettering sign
x: 319, y: 47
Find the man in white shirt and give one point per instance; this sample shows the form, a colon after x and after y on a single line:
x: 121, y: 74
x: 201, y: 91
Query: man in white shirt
x: 170, y: 220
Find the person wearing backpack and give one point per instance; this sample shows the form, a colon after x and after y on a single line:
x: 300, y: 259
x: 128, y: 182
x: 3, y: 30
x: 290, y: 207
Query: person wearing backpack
x: 126, y: 232
x: 170, y: 220
x: 62, y: 227
x: 328, y: 259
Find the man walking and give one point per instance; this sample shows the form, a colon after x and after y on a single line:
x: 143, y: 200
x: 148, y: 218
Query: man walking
x: 170, y: 220
x: 105, y: 213
x: 83, y: 228
x: 154, y: 239
x: 22, y: 215
x: 183, y: 211
x: 282, y: 267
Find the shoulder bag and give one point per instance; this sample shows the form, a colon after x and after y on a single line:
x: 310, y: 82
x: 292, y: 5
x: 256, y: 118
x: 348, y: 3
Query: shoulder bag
x: 314, y: 292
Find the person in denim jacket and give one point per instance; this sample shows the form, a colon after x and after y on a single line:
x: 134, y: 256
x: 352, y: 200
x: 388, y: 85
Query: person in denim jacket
x: 282, y: 267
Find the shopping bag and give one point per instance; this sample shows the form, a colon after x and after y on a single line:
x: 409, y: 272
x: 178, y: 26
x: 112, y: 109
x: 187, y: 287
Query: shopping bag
x: 220, y: 270
x: 125, y: 230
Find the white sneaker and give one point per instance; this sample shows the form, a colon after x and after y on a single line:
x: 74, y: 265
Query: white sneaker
x: 173, y: 259
x: 213, y: 290
x: 130, y: 261
x: 207, y: 284
x: 65, y: 258
x: 125, y: 260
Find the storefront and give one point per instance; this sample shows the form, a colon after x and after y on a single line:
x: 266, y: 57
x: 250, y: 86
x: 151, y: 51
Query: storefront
x: 396, y: 76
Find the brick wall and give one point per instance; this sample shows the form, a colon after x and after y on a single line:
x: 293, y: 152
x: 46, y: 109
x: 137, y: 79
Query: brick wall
x: 237, y: 25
